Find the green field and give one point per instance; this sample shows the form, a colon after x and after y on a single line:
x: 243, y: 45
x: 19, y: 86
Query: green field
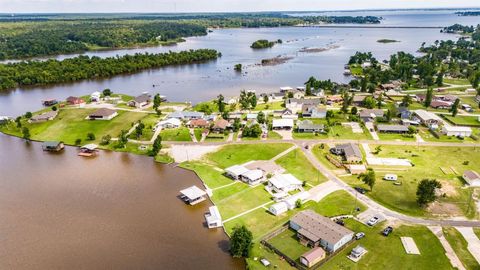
x: 460, y: 245
x: 242, y: 201
x: 462, y: 120
x: 396, y: 137
x: 427, y: 163
x: 456, y: 81
x: 210, y: 176
x: 176, y: 134
x: 230, y: 155
x: 297, y: 164
x: 388, y: 252
x: 287, y: 242
x: 70, y: 125
x: 277, y: 105
x: 336, y: 204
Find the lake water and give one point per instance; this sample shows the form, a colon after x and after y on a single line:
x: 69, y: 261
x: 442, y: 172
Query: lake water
x: 205, y: 81
x: 116, y: 211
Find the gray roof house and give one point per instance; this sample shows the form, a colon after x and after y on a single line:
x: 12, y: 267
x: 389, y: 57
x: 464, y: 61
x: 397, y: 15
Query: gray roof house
x: 307, y: 126
x: 369, y: 115
x: 47, y: 116
x: 350, y: 151
x: 392, y: 128
x: 140, y: 101
x: 186, y: 115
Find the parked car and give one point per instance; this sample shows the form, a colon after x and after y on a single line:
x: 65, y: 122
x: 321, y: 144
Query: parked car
x: 387, y: 231
x: 360, y: 190
x: 359, y: 235
x: 340, y: 222
x: 373, y: 221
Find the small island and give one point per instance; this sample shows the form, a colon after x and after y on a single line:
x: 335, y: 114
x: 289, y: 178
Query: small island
x: 386, y: 40
x: 263, y: 44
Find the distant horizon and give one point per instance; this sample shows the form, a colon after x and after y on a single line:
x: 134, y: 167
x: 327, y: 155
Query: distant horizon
x: 222, y: 6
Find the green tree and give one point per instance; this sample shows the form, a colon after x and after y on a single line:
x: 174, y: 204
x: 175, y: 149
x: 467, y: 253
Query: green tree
x: 428, y: 98
x: 308, y: 90
x: 426, y: 191
x: 157, y: 146
x: 252, y: 100
x: 105, y: 140
x: 265, y: 99
x: 439, y: 80
x: 298, y: 203
x: 26, y: 133
x: 221, y: 103
x: 261, y: 117
x: 54, y: 108
x: 157, y: 100
x: 90, y: 136
x: 236, y: 125
x: 122, y: 139
x: 139, y: 129
x: 18, y: 121
x: 241, y: 242
x: 379, y: 101
x: 454, y: 109
x: 406, y: 101
x: 28, y: 115
x: 369, y: 102
x: 363, y: 84
x: 354, y: 110
x: 368, y: 178
x: 237, y: 67
x: 78, y: 141
x: 107, y: 92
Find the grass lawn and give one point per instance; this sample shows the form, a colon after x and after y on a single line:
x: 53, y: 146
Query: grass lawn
x: 343, y: 132
x: 225, y: 192
x: 176, y: 134
x: 70, y: 125
x: 457, y: 81
x: 259, y: 251
x: 149, y: 121
x: 427, y: 165
x: 242, y: 201
x: 388, y: 252
x: 272, y: 135
x: 209, y: 175
x: 320, y: 155
x: 288, y: 243
x: 230, y: 155
x: 335, y: 204
x: 277, y: 105
x: 460, y: 245
x: 308, y: 136
x: 198, y: 133
x: 395, y: 137
x: 129, y: 147
x: 428, y: 136
x: 356, y: 70
x: 462, y: 120
x: 477, y: 232
x: 297, y: 164
x: 164, y: 158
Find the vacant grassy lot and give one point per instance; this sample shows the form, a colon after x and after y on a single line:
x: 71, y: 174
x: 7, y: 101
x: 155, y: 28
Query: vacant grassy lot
x: 431, y: 163
x: 230, y: 155
x: 287, y: 243
x: 176, y: 134
x: 462, y: 120
x: 212, y: 177
x: 70, y: 125
x: 297, y: 164
x: 320, y: 153
x: 388, y: 252
x: 395, y: 137
x: 460, y: 245
x: 242, y: 201
x: 457, y: 81
x: 336, y: 204
x: 277, y: 105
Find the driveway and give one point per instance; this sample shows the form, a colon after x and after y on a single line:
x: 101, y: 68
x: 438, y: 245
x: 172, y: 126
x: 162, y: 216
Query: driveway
x: 286, y: 134
x: 472, y: 240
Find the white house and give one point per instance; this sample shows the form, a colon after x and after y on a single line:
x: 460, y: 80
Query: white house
x: 95, y: 96
x: 285, y: 89
x: 103, y: 114
x: 289, y: 203
x: 253, y: 177
x: 169, y: 123
x: 282, y: 124
x: 252, y: 116
x: 284, y: 183
x: 278, y: 208
x: 213, y: 218
x: 236, y: 171
x: 456, y: 131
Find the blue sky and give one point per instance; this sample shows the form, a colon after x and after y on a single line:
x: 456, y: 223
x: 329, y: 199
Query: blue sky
x: 8, y: 6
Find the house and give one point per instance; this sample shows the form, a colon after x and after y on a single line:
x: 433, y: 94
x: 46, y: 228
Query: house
x: 449, y: 98
x: 281, y: 183
x: 282, y: 124
x: 4, y: 119
x: 355, y: 169
x: 392, y: 129
x: 95, y: 97
x: 358, y: 100
x: 440, y: 104
x: 334, y: 99
x: 351, y: 152
x: 74, y: 101
x: 456, y: 131
x: 53, y: 146
x: 315, y: 230
x: 472, y: 178
x: 297, y: 94
x: 103, y: 114
x: 286, y: 89
x: 210, y: 117
x: 278, y: 208
x: 236, y: 171
x: 285, y: 114
x: 428, y: 119
x: 235, y: 115
x: 313, y: 256
x: 192, y: 195
x: 253, y: 177
x: 169, y: 123
x: 369, y: 115
x: 220, y: 125
x: 421, y: 98
x: 307, y: 126
x: 213, y: 218
x: 274, y: 97
x: 404, y: 113
x: 198, y: 123
x: 47, y: 116
x: 313, y: 111
x: 140, y: 101
x: 252, y: 116
x: 49, y: 102
x: 289, y: 203
x: 186, y: 115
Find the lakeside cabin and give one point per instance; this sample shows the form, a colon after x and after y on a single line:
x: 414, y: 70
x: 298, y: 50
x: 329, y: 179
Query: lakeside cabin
x: 53, y: 146
x: 213, y: 218
x: 103, y: 114
x: 192, y: 195
x: 88, y: 150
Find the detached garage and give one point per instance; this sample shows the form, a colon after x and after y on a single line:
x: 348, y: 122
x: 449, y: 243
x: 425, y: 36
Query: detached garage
x: 457, y: 131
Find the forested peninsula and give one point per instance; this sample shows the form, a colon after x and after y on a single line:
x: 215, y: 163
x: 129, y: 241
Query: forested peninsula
x: 32, y: 73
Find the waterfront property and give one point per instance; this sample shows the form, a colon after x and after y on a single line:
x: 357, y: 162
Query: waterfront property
x: 74, y: 101
x: 43, y: 117
x: 169, y: 123
x: 213, y: 217
x: 315, y: 230
x: 140, y: 101
x: 193, y: 195
x: 186, y: 115
x: 103, y: 114
x: 53, y: 146
x: 240, y: 172
x: 236, y: 171
x: 289, y: 203
x: 284, y: 183
x: 88, y: 150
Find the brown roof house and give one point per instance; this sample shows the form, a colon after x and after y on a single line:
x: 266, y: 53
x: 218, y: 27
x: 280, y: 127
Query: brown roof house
x: 315, y: 230
x: 369, y: 115
x: 198, y: 123
x: 312, y: 257
x: 47, y: 116
x: 140, y: 101
x: 472, y: 178
x: 103, y: 114
x: 75, y: 101
x: 220, y: 125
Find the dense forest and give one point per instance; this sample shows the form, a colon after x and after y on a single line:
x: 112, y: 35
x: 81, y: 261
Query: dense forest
x: 85, y: 67
x: 30, y: 39
x: 35, y: 35
x: 263, y: 44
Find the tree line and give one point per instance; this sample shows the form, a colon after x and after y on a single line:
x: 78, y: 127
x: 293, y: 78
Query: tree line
x: 30, y: 73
